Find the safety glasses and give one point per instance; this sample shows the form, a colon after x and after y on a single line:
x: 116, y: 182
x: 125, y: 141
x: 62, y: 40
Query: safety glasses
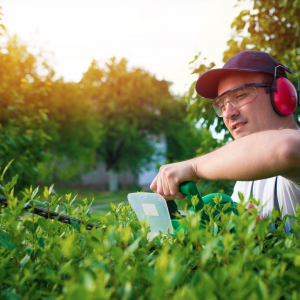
x: 237, y: 97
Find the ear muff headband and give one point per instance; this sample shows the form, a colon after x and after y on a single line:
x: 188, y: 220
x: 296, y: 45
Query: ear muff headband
x: 284, y: 97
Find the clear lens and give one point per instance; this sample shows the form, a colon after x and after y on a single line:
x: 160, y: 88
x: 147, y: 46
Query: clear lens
x: 236, y: 97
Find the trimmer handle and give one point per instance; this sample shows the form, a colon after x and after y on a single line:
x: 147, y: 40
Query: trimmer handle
x: 190, y: 189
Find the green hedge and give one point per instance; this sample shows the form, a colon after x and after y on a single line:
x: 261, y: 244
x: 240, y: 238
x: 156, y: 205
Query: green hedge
x: 234, y: 257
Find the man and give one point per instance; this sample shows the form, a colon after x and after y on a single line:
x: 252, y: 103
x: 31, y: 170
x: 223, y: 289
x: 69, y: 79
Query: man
x: 264, y: 157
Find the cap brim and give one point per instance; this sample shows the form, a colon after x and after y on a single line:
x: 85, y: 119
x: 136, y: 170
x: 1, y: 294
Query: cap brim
x: 207, y: 84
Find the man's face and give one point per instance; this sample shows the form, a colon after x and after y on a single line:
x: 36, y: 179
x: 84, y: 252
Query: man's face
x: 257, y: 115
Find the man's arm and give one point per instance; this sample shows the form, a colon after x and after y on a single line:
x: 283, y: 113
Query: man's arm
x: 256, y: 156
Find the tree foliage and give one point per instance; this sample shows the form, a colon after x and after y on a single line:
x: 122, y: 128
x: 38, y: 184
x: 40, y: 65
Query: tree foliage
x: 22, y: 110
x: 135, y: 109
x: 57, y: 130
x: 47, y: 126
x: 185, y: 140
x: 126, y: 103
x: 75, y: 133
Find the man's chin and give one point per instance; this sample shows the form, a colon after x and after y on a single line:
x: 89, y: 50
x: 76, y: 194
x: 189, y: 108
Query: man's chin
x: 238, y: 135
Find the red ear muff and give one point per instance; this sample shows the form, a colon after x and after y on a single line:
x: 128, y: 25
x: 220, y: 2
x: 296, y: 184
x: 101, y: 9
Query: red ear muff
x: 283, y: 97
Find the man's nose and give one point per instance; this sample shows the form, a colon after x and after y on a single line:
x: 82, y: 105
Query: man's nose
x: 230, y: 111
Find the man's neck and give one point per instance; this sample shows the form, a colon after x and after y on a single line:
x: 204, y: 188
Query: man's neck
x: 289, y: 124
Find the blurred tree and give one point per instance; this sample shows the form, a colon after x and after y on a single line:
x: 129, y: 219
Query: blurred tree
x: 74, y: 130
x: 185, y: 140
x: 2, y: 27
x: 134, y: 109
x: 271, y: 26
x: 48, y: 127
x: 22, y: 111
x: 199, y: 108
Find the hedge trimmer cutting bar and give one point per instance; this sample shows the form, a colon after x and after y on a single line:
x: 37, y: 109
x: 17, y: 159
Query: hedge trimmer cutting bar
x: 43, y: 212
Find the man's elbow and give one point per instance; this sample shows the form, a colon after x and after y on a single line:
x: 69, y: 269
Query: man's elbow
x: 289, y: 154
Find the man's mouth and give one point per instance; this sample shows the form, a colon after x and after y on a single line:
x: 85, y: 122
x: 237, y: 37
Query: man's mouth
x: 238, y: 125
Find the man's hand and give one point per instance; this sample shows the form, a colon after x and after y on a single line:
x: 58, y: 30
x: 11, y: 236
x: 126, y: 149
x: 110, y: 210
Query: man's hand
x: 251, y: 205
x: 169, y: 177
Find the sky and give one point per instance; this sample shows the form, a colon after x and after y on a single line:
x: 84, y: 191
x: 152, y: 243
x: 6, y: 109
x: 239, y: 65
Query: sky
x: 161, y: 36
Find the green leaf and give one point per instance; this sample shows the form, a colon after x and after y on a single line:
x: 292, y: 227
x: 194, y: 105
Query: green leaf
x: 217, y: 199
x: 24, y: 261
x: 111, y: 218
x: 5, y: 169
x: 5, y: 235
x: 7, y: 244
x: 130, y: 249
x: 241, y: 197
x: 116, y: 253
x: 51, y: 189
x: 41, y: 242
x: 11, y: 294
x: 32, y: 227
x: 94, y: 239
x: 73, y: 199
x: 104, y: 220
x: 46, y: 192
x: 44, y: 224
x: 207, y: 253
x: 262, y: 289
x: 214, y: 229
x: 34, y: 192
x: 82, y: 209
x: 11, y: 184
x: 254, y: 201
x: 113, y: 206
x: 195, y: 201
x: 40, y: 203
x: 75, y: 225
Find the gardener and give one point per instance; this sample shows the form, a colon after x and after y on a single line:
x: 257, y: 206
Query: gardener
x: 264, y: 157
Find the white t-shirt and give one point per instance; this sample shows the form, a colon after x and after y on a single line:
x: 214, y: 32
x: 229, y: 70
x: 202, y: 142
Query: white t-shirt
x: 288, y: 194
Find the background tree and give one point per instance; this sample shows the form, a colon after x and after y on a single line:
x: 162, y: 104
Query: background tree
x: 186, y: 140
x: 47, y: 126
x: 74, y: 130
x: 135, y: 110
x: 22, y: 111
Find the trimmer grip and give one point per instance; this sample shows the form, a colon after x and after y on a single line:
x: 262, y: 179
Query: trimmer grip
x: 190, y: 189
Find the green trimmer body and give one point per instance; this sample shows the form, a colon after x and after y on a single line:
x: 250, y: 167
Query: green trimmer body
x: 152, y: 208
x: 190, y: 189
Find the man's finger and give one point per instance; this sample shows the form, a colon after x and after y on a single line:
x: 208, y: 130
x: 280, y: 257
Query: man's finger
x: 166, y: 190
x: 251, y: 205
x: 174, y: 189
x: 153, y: 185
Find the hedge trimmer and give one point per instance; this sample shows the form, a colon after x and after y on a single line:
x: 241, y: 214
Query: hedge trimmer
x: 152, y: 207
x: 48, y: 214
x: 148, y: 206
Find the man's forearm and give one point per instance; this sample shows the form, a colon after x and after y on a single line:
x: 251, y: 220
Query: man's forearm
x: 256, y: 156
